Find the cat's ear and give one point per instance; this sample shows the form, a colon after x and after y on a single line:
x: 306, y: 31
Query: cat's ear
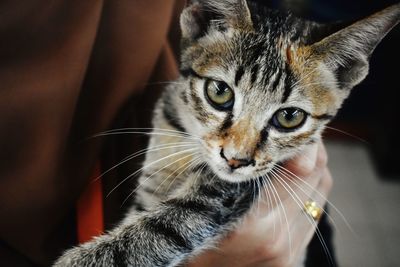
x: 200, y: 15
x: 346, y: 52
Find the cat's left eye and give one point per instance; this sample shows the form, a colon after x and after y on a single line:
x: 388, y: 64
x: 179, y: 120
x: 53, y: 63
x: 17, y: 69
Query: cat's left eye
x: 289, y: 118
x: 219, y: 94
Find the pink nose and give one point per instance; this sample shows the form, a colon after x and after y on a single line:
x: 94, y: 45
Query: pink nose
x: 238, y: 163
x: 234, y: 163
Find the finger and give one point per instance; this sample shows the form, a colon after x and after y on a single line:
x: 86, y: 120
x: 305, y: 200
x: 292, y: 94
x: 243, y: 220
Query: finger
x: 294, y: 192
x: 290, y: 244
x: 284, y: 196
x: 304, y: 227
x: 297, y: 237
x: 292, y: 182
x: 304, y: 163
x: 322, y: 156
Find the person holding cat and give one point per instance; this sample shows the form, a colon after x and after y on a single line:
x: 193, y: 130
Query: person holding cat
x: 76, y: 69
x: 263, y: 240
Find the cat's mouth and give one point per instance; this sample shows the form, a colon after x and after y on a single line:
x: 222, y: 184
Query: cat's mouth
x: 236, y: 174
x: 233, y: 168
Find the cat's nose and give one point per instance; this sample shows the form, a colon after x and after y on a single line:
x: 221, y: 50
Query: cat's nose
x: 235, y: 163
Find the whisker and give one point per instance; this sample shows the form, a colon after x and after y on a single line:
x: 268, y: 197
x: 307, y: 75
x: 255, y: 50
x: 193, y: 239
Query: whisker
x: 285, y: 217
x: 147, y: 178
x: 319, y: 194
x: 349, y: 134
x: 277, y: 203
x: 144, y: 133
x: 144, y: 151
x: 186, y: 166
x: 294, y: 182
x: 253, y: 191
x: 287, y: 187
x: 269, y: 199
x: 259, y: 193
x: 148, y: 165
x: 172, y: 163
x: 202, y: 166
x: 150, y: 129
x: 297, y: 199
x: 213, y: 178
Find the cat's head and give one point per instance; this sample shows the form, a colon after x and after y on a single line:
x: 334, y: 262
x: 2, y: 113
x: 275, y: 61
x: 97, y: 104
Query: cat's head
x: 262, y: 85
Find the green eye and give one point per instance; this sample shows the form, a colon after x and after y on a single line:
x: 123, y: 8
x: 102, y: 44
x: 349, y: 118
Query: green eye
x: 289, y: 118
x: 219, y: 94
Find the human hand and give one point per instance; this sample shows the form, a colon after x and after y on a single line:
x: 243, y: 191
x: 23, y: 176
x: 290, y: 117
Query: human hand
x: 277, y: 231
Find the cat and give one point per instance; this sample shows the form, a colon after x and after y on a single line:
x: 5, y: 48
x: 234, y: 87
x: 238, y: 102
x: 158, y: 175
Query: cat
x: 256, y: 87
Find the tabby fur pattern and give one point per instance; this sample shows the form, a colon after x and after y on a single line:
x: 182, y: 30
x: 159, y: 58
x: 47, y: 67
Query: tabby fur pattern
x: 193, y: 197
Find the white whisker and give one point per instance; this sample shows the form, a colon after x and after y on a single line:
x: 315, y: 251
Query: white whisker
x: 185, y: 166
x: 310, y: 220
x: 145, y: 133
x: 150, y: 129
x: 319, y: 194
x: 203, y: 165
x: 269, y: 200
x: 154, y: 173
x: 144, y: 151
x: 285, y: 217
x: 259, y: 193
x: 348, y: 134
x: 148, y: 165
x: 294, y: 182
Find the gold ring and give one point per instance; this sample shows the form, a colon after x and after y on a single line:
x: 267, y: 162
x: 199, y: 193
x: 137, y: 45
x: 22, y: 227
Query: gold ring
x: 312, y: 209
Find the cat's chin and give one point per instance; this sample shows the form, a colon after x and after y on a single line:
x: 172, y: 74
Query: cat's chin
x: 232, y: 176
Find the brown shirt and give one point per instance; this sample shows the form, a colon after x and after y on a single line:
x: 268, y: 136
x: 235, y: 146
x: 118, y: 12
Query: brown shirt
x: 68, y: 70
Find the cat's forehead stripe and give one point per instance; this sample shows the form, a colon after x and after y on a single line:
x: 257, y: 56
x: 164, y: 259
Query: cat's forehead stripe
x: 287, y: 88
x: 254, y: 73
x: 239, y: 74
x: 276, y: 79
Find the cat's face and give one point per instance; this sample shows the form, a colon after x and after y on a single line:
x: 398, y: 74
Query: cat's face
x: 253, y: 109
x: 258, y: 90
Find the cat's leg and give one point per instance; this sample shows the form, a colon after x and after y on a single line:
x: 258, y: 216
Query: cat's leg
x: 171, y: 232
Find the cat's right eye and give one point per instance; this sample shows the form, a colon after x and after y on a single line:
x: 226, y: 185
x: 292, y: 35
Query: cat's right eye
x: 219, y: 94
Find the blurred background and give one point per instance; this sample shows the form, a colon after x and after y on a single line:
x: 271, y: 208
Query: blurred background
x: 367, y: 232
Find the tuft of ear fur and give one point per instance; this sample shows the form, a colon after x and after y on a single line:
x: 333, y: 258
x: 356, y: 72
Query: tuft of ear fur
x: 346, y: 52
x: 199, y: 15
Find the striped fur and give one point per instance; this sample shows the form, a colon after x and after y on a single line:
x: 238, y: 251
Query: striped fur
x: 191, y: 198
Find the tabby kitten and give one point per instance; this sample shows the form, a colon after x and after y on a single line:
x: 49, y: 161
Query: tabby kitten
x: 256, y: 87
